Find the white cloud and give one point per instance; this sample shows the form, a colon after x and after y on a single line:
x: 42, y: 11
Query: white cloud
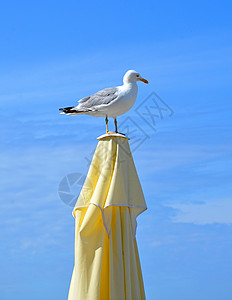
x: 209, y: 212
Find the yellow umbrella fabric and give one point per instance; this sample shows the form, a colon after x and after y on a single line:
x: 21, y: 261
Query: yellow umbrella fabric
x: 107, y: 265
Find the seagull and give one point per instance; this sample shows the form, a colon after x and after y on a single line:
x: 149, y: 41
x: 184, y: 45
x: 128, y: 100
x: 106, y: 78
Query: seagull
x: 110, y: 102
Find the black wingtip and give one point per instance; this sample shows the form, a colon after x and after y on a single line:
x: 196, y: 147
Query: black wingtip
x: 67, y: 110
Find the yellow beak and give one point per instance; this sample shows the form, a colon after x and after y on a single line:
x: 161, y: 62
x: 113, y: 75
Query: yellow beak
x: 143, y: 80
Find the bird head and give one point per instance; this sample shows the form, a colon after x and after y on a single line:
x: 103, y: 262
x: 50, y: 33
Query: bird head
x: 133, y: 76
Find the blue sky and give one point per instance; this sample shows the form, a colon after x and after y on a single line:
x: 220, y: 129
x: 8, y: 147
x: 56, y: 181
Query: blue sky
x: 54, y: 53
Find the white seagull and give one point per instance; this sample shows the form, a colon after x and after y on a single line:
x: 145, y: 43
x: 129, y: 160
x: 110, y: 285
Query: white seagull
x: 110, y: 102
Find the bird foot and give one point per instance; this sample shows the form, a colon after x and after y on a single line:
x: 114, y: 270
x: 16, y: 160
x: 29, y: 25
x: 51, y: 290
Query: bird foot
x: 121, y: 133
x: 110, y: 132
x: 113, y: 132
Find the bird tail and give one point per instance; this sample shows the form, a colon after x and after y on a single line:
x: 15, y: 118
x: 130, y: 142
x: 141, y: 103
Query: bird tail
x: 72, y: 110
x: 66, y: 110
x: 69, y: 110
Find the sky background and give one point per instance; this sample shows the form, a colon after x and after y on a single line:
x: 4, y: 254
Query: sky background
x: 55, y: 52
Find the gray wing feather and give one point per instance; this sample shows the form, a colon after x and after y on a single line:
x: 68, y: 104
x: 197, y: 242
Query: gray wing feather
x: 84, y: 99
x: 102, y: 97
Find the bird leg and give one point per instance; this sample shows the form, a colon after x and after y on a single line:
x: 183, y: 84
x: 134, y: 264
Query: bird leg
x: 106, y: 119
x: 107, y: 130
x: 116, y: 125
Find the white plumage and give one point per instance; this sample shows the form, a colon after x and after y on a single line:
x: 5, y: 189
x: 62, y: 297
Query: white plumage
x: 110, y: 102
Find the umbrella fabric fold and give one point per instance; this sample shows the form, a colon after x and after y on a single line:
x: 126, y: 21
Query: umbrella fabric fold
x: 107, y: 265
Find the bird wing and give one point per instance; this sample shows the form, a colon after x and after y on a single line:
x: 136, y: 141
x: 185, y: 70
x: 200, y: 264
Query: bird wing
x: 102, y: 97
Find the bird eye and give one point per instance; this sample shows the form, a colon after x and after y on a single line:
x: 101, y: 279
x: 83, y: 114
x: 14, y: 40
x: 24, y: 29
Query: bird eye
x: 137, y: 75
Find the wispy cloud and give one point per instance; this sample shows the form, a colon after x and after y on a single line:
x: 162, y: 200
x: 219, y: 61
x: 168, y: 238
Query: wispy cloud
x: 209, y: 212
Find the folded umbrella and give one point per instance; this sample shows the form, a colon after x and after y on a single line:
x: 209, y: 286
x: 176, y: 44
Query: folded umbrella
x: 107, y: 265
